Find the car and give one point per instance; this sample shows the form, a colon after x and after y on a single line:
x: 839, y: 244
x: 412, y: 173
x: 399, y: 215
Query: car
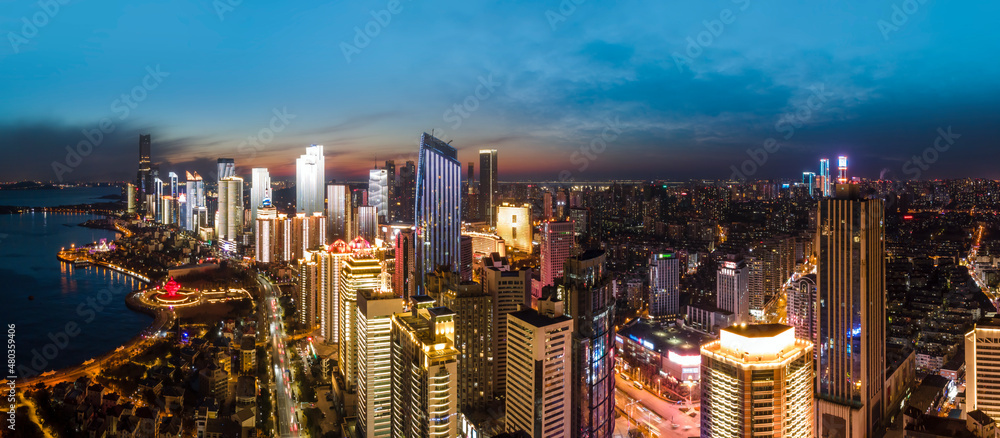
x: 623, y: 376
x: 637, y: 385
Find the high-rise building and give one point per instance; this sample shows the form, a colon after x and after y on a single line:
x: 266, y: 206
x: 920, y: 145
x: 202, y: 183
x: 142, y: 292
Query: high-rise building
x: 260, y: 188
x: 367, y: 222
x: 489, y: 190
x: 557, y: 246
x: 332, y: 265
x: 267, y: 234
x: 982, y: 365
x: 850, y: 279
x: 339, y: 212
x: 757, y: 380
x: 732, y: 289
x: 310, y: 179
x: 438, y: 206
x: 538, y: 399
x: 402, y: 280
x: 664, y: 286
x: 473, y: 337
x: 801, y: 308
x: 197, y: 209
x: 307, y: 233
x: 824, y: 175
x: 547, y: 206
x: 809, y: 180
x: 142, y: 180
x: 591, y: 303
x: 378, y: 193
x: 310, y: 284
x: 842, y: 169
x: 513, y: 224
x: 406, y: 193
x: 359, y: 271
x: 225, y: 168
x: 390, y: 171
x: 424, y: 371
x: 467, y: 257
x: 509, y: 291
x: 229, y: 218
x: 374, y: 322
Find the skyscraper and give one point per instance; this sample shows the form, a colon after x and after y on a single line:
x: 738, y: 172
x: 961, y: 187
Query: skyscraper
x: 197, y: 210
x: 809, y: 180
x: 982, y: 364
x: 509, y: 291
x: 390, y: 196
x: 310, y: 179
x: 378, y: 193
x: 438, y: 206
x: 513, y: 224
x: 405, y: 263
x: 756, y: 380
x: 406, y: 193
x: 266, y: 234
x: 226, y: 167
x: 557, y: 244
x: 142, y: 179
x: 229, y: 222
x: 374, y: 322
x: 824, y: 175
x: 801, y: 308
x: 260, y: 188
x: 489, y: 191
x: 338, y: 212
x: 664, y: 286
x: 850, y: 278
x: 732, y: 290
x: 367, y: 222
x: 473, y: 338
x: 842, y: 169
x: 359, y: 272
x: 591, y: 303
x: 539, y: 397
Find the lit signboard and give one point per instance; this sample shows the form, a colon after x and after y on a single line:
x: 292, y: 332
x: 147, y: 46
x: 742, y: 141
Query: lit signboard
x: 842, y: 161
x: 684, y: 361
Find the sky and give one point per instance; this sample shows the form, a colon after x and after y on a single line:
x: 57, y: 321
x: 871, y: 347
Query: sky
x: 564, y: 90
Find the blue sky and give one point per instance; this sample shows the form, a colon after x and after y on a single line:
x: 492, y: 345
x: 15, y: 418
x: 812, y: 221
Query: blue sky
x: 685, y: 87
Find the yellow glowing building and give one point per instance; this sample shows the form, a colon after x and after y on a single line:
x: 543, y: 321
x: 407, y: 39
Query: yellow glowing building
x: 757, y: 380
x: 514, y: 225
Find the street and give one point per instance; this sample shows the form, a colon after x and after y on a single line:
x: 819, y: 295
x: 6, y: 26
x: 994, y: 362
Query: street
x: 646, y: 408
x: 287, y: 422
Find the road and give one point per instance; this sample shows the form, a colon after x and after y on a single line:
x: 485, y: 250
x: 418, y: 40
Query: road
x: 645, y: 407
x: 287, y: 424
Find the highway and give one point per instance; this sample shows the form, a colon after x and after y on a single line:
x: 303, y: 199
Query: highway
x: 281, y: 386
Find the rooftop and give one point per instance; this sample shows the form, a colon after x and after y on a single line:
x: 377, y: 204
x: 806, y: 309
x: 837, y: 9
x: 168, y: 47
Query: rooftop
x: 758, y: 330
x: 536, y: 319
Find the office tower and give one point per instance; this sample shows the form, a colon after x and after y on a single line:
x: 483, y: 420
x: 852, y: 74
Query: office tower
x: 374, y: 322
x: 378, y: 193
x: 561, y: 204
x: 757, y: 380
x: 424, y: 371
x: 513, y: 224
x: 166, y: 210
x: 438, y: 206
x: 591, y: 304
x: 405, y: 263
x: 367, y: 222
x: 801, y: 308
x: 509, y: 291
x: 267, y: 248
x: 809, y: 180
x: 556, y: 247
x: 310, y: 178
x: 260, y: 188
x: 489, y: 190
x: 842, y: 169
x: 172, y: 179
x: 332, y: 263
x: 229, y: 222
x: 197, y: 210
x: 310, y: 283
x: 358, y: 272
x: 470, y: 201
x: 406, y: 193
x: 157, y: 191
x: 226, y: 167
x: 467, y: 257
x: 470, y: 178
x: 732, y: 289
x: 142, y: 180
x: 473, y: 338
x: 390, y: 171
x: 538, y: 399
x: 547, y: 206
x: 338, y: 212
x: 851, y: 282
x: 824, y: 175
x: 130, y: 197
x: 581, y: 222
x: 182, y: 209
x: 664, y: 286
x: 982, y: 365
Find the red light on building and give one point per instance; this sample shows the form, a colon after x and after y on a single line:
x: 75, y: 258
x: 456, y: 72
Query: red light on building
x: 908, y: 217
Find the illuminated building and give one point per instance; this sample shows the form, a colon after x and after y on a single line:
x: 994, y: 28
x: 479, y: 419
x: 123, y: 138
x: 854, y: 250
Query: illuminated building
x: 310, y: 179
x: 842, y: 169
x: 367, y: 222
x: 359, y: 271
x: 581, y: 221
x: 378, y: 193
x: 467, y: 257
x: 306, y: 232
x: 850, y: 279
x: 130, y: 194
x: 538, y: 396
x: 801, y: 308
x: 513, y: 224
x: 557, y: 245
x: 338, y: 212
x: 390, y: 195
x: 260, y: 188
x: 424, y: 371
x: 509, y: 291
x: 374, y: 322
x: 229, y: 219
x: 438, y: 206
x: 166, y: 210
x: 402, y: 280
x: 664, y: 285
x: 310, y: 283
x: 485, y: 244
x: 824, y: 177
x: 155, y: 209
x: 982, y: 365
x: 732, y: 289
x: 757, y: 380
x: 547, y: 206
x: 489, y: 189
x: 809, y: 180
x: 143, y: 182
x: 405, y: 193
x: 197, y: 209
x: 649, y: 352
x: 266, y: 234
x: 226, y: 167
x: 586, y: 287
x: 473, y: 335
